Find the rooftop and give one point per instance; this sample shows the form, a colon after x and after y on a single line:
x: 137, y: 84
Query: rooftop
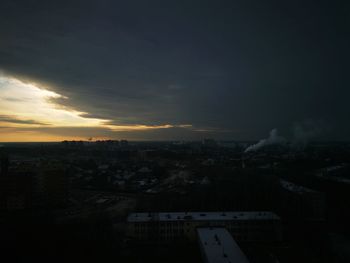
x: 218, y: 246
x: 202, y: 216
x: 296, y: 188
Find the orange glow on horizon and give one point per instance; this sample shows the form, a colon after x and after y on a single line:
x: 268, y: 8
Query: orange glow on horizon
x: 28, y: 113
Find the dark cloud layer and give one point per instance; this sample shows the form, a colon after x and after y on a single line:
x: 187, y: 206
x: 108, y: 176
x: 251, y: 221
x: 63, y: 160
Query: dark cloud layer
x: 16, y: 120
x: 245, y: 66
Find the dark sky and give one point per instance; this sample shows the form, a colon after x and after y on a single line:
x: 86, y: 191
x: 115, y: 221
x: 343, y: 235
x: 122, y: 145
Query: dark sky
x: 231, y: 69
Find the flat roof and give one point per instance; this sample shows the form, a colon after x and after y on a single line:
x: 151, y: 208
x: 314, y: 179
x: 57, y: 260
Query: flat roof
x: 296, y: 188
x: 218, y: 246
x: 202, y: 216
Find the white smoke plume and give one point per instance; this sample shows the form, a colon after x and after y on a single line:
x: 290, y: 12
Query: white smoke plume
x: 305, y: 131
x: 273, y: 139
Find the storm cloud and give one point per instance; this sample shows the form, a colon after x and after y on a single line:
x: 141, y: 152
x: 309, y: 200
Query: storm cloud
x: 227, y: 69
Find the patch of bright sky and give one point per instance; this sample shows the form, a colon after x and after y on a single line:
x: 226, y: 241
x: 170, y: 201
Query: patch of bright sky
x: 27, y: 101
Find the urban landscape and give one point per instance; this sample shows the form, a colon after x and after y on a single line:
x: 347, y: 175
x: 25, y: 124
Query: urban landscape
x: 157, y: 131
x: 144, y: 201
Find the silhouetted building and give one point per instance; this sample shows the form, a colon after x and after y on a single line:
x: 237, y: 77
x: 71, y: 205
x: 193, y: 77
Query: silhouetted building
x: 124, y: 143
x: 4, y: 165
x: 52, y: 184
x: 16, y: 188
x: 73, y: 144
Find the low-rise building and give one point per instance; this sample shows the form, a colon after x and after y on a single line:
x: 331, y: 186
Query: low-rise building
x: 244, y: 226
x: 218, y: 246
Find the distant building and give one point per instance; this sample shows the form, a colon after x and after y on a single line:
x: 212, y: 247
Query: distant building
x: 244, y: 226
x: 110, y: 144
x: 124, y: 143
x: 73, y: 144
x: 209, y: 143
x: 301, y: 202
x: 218, y: 246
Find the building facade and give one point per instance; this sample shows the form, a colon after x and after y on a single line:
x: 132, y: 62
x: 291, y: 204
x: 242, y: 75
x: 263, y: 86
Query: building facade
x: 243, y: 226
